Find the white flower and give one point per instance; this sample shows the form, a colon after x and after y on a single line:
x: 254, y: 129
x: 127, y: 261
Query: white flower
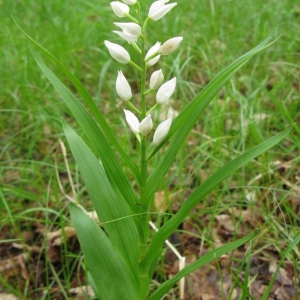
x: 118, y: 52
x: 129, y: 2
x: 156, y: 79
x: 154, y: 49
x: 132, y: 121
x: 131, y: 31
x: 146, y: 125
x: 170, y: 45
x: 158, y: 9
x: 119, y: 8
x: 165, y: 91
x: 161, y: 131
x: 122, y: 87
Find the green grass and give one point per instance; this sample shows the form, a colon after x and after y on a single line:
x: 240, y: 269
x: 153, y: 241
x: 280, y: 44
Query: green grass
x: 261, y: 100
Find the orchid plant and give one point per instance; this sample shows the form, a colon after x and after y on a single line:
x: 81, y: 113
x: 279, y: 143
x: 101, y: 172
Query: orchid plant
x: 120, y: 250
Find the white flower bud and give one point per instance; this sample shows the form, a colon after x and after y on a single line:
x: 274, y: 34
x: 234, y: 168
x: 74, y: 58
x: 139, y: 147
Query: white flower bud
x: 165, y: 91
x: 118, y: 52
x: 132, y: 121
x: 158, y: 9
x: 161, y: 131
x: 125, y: 36
x: 170, y: 45
x: 129, y: 2
x: 156, y: 79
x: 130, y: 28
x: 122, y: 87
x: 154, y: 49
x: 119, y: 8
x: 146, y: 125
x: 131, y: 31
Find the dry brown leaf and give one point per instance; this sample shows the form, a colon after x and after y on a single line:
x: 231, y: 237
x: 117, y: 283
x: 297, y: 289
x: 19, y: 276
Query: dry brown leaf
x: 226, y: 222
x: 8, y: 297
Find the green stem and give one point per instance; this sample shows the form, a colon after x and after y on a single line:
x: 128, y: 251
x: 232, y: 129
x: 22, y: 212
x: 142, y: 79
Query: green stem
x: 130, y: 105
x: 143, y: 115
x: 135, y: 66
x: 153, y: 108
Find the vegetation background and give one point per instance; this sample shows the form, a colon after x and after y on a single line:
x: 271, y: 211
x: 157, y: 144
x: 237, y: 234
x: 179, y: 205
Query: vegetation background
x: 259, y: 101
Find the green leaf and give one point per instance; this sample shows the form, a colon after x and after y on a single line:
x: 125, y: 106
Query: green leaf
x: 92, y: 106
x: 95, y: 135
x: 185, y: 121
x: 205, y: 259
x: 111, y: 275
x: 115, y: 215
x: 171, y: 225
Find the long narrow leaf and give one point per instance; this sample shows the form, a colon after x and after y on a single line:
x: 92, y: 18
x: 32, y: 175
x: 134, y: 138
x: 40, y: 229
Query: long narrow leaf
x: 93, y: 132
x: 111, y: 275
x: 205, y: 259
x: 190, y: 115
x: 165, y: 231
x: 114, y: 213
x: 92, y: 106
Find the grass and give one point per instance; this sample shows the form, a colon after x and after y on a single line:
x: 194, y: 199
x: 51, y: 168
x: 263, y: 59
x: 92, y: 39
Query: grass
x: 261, y: 100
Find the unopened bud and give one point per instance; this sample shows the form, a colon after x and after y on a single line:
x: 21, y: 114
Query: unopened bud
x: 129, y: 2
x: 131, y: 31
x: 132, y: 121
x: 170, y: 45
x: 158, y: 9
x: 122, y: 87
x: 154, y: 49
x: 118, y: 52
x: 146, y: 125
x: 165, y: 91
x: 161, y: 131
x: 156, y: 79
x: 119, y: 8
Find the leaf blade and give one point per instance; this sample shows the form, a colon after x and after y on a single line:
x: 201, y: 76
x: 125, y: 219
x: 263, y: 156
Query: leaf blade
x: 164, y: 232
x: 185, y: 121
x: 91, y: 104
x: 205, y: 259
x: 109, y: 272
x: 95, y: 135
x: 114, y: 213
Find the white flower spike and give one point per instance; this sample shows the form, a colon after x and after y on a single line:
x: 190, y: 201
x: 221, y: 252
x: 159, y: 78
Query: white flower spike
x: 156, y: 79
x: 161, y: 131
x: 119, y: 8
x: 146, y: 125
x: 129, y: 2
x: 132, y: 121
x: 122, y: 87
x: 170, y: 45
x: 165, y: 91
x: 118, y: 52
x: 131, y: 31
x: 154, y: 49
x: 158, y: 9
